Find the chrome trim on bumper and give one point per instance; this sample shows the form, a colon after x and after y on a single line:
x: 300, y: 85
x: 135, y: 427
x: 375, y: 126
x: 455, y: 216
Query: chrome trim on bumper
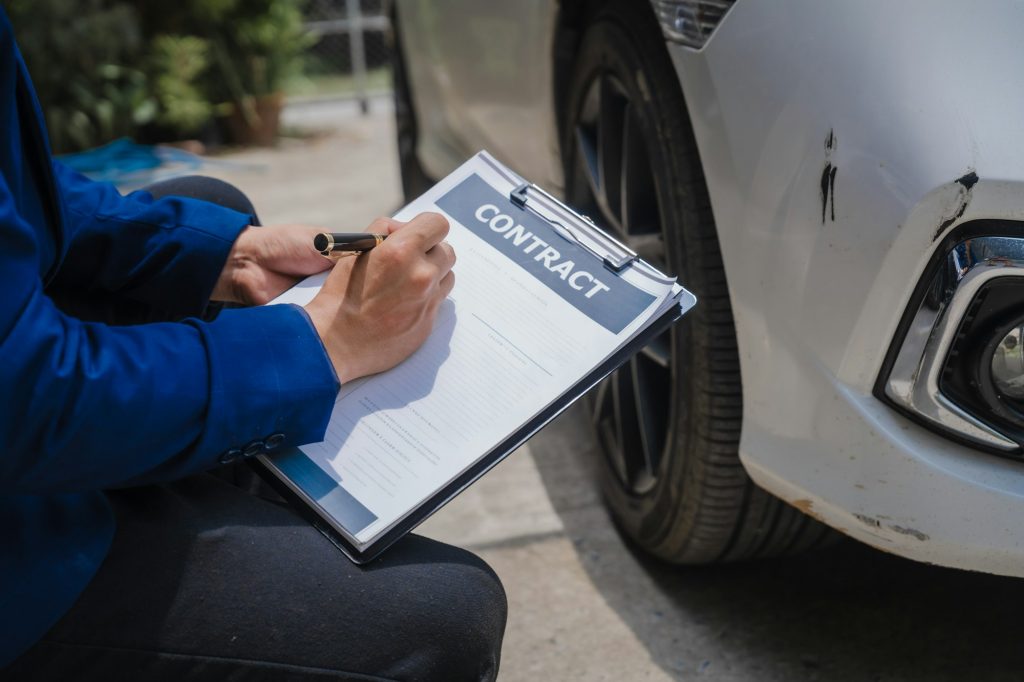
x: 913, y: 382
x: 690, y: 22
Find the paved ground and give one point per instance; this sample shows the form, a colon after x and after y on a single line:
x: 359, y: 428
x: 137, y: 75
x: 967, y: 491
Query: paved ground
x: 585, y: 607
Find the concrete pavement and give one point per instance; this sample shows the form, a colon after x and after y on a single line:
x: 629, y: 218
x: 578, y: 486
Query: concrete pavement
x: 583, y: 606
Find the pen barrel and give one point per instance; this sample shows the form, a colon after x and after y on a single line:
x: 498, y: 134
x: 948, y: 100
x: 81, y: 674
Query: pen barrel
x: 346, y: 241
x: 363, y: 243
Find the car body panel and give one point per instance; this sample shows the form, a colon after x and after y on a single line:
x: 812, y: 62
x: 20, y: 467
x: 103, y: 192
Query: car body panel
x: 480, y: 75
x: 902, y: 100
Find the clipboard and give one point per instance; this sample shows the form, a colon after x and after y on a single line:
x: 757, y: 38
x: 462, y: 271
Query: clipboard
x: 615, y: 257
x: 307, y: 507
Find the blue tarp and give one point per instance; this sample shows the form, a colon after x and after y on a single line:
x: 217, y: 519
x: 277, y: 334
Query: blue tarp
x: 128, y: 164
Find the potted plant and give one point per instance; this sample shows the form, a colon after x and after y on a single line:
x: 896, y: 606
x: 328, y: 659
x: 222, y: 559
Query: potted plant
x: 256, y: 46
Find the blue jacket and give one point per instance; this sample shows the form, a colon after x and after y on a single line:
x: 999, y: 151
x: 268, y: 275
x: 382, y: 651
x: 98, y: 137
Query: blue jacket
x: 86, y: 406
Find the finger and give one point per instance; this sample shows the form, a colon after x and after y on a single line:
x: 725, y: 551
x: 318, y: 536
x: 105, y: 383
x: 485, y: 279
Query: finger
x: 426, y: 229
x: 442, y: 256
x: 446, y: 284
x: 384, y: 225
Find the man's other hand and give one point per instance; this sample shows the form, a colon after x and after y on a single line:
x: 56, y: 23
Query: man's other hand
x: 266, y: 261
x: 374, y: 310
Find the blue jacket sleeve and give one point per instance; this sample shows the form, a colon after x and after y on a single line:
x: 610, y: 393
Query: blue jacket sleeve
x: 166, y: 252
x: 86, y: 406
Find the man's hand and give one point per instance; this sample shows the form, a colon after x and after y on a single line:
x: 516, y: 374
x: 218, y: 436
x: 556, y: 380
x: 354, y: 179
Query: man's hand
x: 374, y: 310
x: 266, y: 261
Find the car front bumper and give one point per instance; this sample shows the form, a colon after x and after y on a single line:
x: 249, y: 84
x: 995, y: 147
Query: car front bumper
x: 836, y: 147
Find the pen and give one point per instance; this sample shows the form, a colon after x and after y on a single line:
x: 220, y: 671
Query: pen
x: 349, y: 242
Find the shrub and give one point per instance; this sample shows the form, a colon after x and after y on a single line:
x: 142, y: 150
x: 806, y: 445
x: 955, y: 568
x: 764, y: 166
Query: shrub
x: 177, y: 63
x: 105, y: 69
x: 79, y: 53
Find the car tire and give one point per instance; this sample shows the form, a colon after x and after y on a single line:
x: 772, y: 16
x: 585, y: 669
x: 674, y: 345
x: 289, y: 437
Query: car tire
x: 415, y: 181
x: 667, y: 425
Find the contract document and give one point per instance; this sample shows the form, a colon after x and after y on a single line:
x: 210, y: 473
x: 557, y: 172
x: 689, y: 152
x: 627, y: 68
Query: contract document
x: 544, y: 306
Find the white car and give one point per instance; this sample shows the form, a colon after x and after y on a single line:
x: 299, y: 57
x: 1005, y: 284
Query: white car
x: 842, y: 187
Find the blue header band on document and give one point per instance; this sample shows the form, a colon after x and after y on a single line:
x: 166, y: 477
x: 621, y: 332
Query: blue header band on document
x: 564, y: 266
x: 324, y: 490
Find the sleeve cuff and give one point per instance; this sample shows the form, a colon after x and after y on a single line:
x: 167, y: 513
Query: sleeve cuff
x: 272, y: 384
x: 208, y: 234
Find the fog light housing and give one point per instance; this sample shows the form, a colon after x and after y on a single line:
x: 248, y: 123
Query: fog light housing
x: 958, y: 363
x: 979, y: 373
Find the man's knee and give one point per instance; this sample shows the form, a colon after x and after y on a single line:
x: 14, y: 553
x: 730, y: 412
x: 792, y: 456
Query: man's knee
x: 476, y: 604
x: 461, y: 609
x: 204, y: 188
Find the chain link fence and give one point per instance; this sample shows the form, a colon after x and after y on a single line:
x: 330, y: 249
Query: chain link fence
x: 352, y: 56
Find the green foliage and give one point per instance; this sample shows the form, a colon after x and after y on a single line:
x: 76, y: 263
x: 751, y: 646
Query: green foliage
x: 78, y: 52
x: 111, y: 68
x: 177, y: 63
x: 258, y: 44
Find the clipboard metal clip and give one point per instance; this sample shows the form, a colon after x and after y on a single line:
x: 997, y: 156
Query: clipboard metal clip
x: 613, y: 253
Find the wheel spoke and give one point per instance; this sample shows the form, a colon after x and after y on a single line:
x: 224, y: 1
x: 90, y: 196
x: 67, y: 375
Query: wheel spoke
x: 610, y: 139
x: 607, y: 429
x: 659, y: 351
x: 586, y: 155
x: 604, y: 417
x: 626, y: 427
x: 639, y: 198
x: 585, y: 140
x: 629, y: 145
x: 646, y: 416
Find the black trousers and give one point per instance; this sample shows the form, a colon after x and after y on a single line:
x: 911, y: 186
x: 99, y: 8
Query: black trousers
x: 215, y: 578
